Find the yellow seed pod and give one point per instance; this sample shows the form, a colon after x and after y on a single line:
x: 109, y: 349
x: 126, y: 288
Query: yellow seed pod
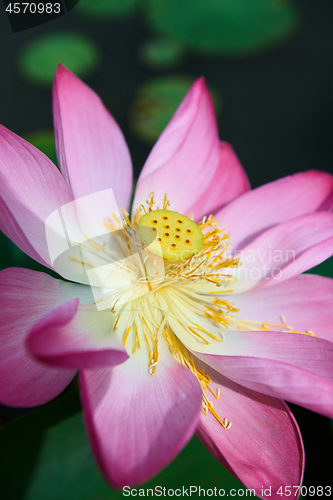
x: 170, y: 235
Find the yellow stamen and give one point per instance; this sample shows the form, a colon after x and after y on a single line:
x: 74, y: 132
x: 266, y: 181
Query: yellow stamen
x: 151, y: 201
x: 152, y: 336
x: 254, y: 325
x: 97, y: 301
x: 128, y: 329
x: 113, y: 307
x: 126, y: 220
x: 97, y: 246
x: 136, y: 339
x: 166, y: 202
x: 116, y: 323
x: 80, y: 261
x: 210, y: 334
x: 84, y: 246
x: 197, y: 334
x: 180, y: 352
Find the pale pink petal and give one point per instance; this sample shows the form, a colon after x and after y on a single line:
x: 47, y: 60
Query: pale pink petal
x: 138, y: 422
x: 184, y: 160
x: 305, y: 302
x: 31, y: 189
x: 11, y: 228
x: 307, y: 260
x: 263, y: 447
x: 77, y: 336
x: 290, y: 366
x: 286, y: 250
x: 273, y: 203
x: 91, y: 148
x: 229, y: 182
x: 25, y: 297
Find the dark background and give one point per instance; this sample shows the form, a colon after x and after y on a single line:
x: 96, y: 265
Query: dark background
x: 277, y: 113
x: 278, y: 107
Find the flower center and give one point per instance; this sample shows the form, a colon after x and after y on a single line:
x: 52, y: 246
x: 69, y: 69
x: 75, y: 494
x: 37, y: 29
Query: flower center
x: 166, y: 285
x: 172, y: 235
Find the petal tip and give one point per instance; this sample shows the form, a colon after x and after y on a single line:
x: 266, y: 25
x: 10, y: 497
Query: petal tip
x: 199, y: 87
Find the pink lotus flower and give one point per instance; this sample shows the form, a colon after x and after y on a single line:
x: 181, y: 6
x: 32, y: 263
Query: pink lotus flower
x: 209, y: 349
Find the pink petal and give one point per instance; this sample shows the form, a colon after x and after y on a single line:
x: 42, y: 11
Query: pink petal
x: 25, y: 297
x: 289, y: 366
x: 184, y: 160
x: 76, y: 336
x: 138, y: 422
x: 229, y: 182
x: 263, y: 447
x: 299, y: 244
x: 92, y: 151
x: 273, y: 203
x: 305, y: 302
x: 31, y: 189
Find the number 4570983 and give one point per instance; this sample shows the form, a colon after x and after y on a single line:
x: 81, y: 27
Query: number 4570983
x: 311, y: 491
x: 33, y: 8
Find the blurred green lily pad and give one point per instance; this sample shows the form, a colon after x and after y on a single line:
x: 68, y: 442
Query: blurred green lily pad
x: 44, y: 141
x: 156, y: 101
x: 323, y: 269
x: 161, y: 53
x: 224, y: 27
x: 45, y: 455
x: 39, y: 59
x: 106, y: 9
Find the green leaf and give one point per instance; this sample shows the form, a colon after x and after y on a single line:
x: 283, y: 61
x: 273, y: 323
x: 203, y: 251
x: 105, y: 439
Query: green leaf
x: 45, y: 455
x: 39, y: 59
x: 65, y: 468
x: 161, y: 53
x: 22, y: 440
x: 224, y: 27
x: 135, y: 181
x: 195, y: 466
x: 106, y: 9
x: 11, y: 255
x: 156, y: 101
x: 44, y: 141
x: 324, y: 269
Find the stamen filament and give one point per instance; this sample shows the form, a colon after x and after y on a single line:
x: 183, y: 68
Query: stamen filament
x: 128, y: 329
x: 116, y: 323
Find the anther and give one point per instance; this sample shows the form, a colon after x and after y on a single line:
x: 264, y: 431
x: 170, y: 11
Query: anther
x: 114, y: 305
